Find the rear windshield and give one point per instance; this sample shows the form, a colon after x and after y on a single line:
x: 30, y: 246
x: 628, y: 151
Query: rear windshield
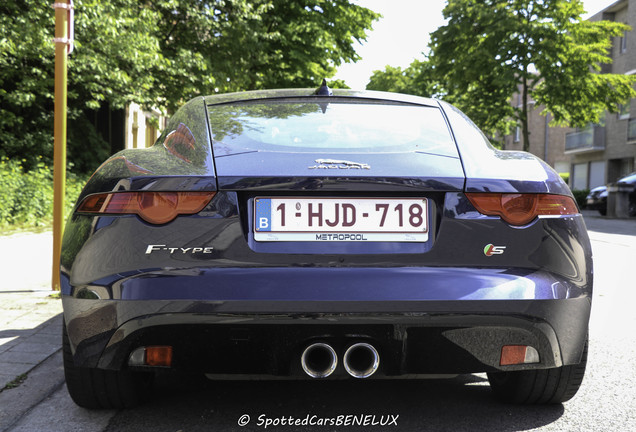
x: 333, y: 127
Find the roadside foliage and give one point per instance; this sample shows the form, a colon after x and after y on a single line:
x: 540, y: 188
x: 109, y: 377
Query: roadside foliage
x: 27, y: 197
x: 158, y: 54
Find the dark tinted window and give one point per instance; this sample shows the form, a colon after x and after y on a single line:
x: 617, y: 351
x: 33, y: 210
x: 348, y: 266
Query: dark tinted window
x: 333, y: 127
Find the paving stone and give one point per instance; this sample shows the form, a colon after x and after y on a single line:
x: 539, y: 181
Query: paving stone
x: 15, y: 369
x: 48, y: 311
x: 52, y: 331
x: 45, y: 338
x: 21, y: 357
x: 7, y: 343
x: 8, y: 313
x: 23, y: 324
x: 36, y: 348
x: 5, y: 379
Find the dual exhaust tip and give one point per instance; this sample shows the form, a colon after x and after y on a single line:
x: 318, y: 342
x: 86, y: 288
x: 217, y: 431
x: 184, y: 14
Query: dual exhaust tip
x: 319, y: 360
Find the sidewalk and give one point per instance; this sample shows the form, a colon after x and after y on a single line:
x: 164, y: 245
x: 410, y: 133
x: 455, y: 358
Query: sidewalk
x: 30, y: 332
x: 30, y: 320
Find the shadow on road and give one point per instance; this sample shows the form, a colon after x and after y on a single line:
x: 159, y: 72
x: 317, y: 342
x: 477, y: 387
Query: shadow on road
x: 462, y: 404
x: 45, y: 328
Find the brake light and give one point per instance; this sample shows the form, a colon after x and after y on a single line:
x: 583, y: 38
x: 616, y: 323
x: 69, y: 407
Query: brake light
x: 521, y: 209
x: 153, y: 207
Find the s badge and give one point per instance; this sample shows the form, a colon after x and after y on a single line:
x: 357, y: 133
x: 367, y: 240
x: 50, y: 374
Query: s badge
x: 491, y: 250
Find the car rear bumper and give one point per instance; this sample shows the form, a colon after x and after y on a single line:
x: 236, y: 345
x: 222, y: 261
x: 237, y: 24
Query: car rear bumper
x: 258, y: 321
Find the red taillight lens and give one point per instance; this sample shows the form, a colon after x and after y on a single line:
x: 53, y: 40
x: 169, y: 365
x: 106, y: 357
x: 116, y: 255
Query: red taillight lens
x: 521, y: 209
x: 153, y: 207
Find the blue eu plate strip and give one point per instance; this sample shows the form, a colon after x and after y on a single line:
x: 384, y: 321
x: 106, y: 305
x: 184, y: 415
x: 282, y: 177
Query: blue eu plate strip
x: 262, y: 220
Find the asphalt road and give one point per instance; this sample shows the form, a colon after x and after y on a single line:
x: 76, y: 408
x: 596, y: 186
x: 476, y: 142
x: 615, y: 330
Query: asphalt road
x: 606, y: 401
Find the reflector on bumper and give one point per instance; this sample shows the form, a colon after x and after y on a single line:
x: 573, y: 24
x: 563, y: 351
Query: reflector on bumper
x: 518, y: 354
x: 160, y: 356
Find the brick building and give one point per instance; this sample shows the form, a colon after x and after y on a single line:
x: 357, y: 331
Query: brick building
x: 546, y: 142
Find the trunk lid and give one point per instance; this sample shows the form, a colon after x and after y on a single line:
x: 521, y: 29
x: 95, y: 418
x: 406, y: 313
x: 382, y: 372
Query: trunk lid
x: 406, y: 171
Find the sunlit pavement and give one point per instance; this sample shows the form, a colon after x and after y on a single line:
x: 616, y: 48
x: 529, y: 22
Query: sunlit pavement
x: 29, y: 318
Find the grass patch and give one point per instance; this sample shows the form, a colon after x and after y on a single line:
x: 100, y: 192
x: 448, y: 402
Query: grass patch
x: 16, y: 382
x: 56, y: 295
x: 18, y: 228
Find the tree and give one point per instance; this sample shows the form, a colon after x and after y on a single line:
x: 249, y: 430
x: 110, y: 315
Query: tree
x: 160, y: 54
x: 247, y: 45
x: 540, y: 49
x: 417, y: 79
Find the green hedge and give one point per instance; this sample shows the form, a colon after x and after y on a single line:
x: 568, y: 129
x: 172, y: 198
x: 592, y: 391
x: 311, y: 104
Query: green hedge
x: 26, y: 198
x: 580, y: 196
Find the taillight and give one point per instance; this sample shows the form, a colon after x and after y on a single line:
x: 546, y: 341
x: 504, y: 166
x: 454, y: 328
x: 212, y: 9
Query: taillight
x: 521, y: 209
x: 153, y: 207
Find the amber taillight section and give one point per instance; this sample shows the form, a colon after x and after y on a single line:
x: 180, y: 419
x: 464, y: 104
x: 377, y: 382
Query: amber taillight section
x: 153, y: 207
x: 521, y: 209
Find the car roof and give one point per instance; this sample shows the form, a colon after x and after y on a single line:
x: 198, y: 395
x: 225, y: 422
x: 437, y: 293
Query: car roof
x: 629, y: 178
x: 307, y: 92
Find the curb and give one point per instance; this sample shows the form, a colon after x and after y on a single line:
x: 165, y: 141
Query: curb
x: 42, y: 381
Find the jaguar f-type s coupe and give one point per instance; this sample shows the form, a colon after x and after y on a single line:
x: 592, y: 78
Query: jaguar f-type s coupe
x: 324, y: 235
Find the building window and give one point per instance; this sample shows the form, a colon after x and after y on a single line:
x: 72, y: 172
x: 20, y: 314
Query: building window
x: 631, y: 130
x: 622, y: 47
x: 579, y: 177
x: 623, y: 111
x: 597, y: 174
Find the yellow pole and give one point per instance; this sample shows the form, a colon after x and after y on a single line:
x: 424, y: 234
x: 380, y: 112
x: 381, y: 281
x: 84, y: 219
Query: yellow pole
x: 59, y: 131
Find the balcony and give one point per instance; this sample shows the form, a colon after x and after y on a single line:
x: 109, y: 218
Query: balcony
x: 590, y: 139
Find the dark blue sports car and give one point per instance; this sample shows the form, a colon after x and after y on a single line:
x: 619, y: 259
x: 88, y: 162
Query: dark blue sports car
x: 324, y: 235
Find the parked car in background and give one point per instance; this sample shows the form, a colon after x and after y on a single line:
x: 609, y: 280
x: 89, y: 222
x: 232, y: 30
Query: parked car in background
x: 630, y: 182
x: 597, y: 198
x: 325, y: 235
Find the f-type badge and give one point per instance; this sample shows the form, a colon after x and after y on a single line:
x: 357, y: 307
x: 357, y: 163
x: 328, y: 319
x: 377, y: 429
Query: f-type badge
x: 338, y: 164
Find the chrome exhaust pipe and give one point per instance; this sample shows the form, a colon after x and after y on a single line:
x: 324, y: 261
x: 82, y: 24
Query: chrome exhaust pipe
x: 319, y: 360
x: 361, y: 360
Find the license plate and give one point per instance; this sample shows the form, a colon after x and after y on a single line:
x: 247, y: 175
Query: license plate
x: 341, y: 219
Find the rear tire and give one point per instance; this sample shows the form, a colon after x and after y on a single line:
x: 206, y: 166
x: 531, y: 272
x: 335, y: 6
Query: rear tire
x: 102, y: 389
x: 540, y: 386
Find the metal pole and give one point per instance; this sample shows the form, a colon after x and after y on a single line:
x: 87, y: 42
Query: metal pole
x: 62, y: 8
x: 546, y: 137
